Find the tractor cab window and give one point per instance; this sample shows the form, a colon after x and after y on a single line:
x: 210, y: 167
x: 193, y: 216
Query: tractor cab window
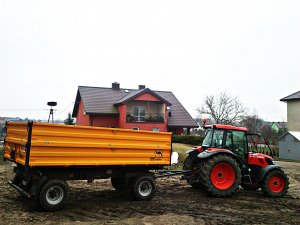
x: 218, y: 139
x: 236, y: 141
x: 208, y: 138
x: 213, y: 138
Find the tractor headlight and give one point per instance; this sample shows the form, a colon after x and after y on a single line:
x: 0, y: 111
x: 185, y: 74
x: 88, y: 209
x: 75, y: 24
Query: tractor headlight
x: 273, y: 161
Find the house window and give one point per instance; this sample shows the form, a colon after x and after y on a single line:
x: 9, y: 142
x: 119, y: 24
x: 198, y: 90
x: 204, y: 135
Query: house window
x: 139, y: 113
x: 155, y: 129
x: 135, y: 128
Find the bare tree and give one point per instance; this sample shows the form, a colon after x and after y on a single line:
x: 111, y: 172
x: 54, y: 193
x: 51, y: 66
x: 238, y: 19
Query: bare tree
x: 224, y: 109
x: 252, y: 122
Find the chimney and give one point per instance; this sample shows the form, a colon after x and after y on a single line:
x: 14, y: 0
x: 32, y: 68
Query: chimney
x: 115, y: 86
x: 142, y: 87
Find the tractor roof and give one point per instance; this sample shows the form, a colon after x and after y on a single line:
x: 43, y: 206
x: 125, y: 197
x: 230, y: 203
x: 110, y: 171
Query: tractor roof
x: 226, y: 127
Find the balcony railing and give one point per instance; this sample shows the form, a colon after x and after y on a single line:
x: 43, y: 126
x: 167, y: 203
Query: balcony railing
x: 145, y: 118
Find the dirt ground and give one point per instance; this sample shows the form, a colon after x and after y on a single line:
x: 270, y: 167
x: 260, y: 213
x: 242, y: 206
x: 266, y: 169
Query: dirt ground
x: 175, y: 203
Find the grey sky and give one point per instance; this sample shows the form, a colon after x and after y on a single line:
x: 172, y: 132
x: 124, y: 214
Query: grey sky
x: 249, y: 49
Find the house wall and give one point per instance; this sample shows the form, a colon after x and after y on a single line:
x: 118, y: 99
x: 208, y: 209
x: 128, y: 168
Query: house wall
x: 142, y: 126
x: 176, y: 130
x: 289, y: 147
x: 147, y: 97
x: 122, y: 118
x: 81, y: 119
x: 147, y: 126
x: 105, y: 121
x: 293, y: 115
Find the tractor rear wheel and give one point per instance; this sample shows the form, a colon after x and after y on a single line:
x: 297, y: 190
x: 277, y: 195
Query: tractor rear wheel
x: 275, y: 184
x: 190, y: 163
x: 220, y: 175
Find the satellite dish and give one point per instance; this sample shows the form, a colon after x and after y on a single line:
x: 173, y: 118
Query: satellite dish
x: 52, y: 104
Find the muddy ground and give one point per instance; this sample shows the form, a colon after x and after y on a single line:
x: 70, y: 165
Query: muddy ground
x: 175, y: 203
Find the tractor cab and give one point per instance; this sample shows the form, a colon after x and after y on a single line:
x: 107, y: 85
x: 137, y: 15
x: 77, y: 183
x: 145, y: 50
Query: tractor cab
x: 226, y: 137
x: 235, y: 139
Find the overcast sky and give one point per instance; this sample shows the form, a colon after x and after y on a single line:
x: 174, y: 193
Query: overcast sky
x: 250, y: 49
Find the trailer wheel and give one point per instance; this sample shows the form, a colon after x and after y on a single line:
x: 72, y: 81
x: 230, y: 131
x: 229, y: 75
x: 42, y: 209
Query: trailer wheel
x: 120, y: 183
x: 221, y: 175
x: 275, y: 184
x: 143, y: 187
x: 54, y: 195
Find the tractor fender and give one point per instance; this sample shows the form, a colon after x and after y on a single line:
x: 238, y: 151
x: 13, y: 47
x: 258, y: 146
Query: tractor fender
x: 267, y: 169
x: 208, y: 154
x: 189, y: 151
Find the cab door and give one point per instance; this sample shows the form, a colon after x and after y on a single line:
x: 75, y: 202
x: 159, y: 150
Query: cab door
x: 236, y: 141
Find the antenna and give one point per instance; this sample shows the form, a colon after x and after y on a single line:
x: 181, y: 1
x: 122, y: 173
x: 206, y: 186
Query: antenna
x: 51, y: 104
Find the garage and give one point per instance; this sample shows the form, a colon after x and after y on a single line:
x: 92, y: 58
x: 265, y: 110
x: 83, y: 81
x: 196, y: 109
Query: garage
x: 289, y: 146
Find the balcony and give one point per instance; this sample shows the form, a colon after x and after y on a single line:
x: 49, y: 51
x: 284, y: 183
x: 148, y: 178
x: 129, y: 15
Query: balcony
x: 144, y: 118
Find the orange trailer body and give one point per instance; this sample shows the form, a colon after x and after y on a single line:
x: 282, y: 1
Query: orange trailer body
x: 36, y: 144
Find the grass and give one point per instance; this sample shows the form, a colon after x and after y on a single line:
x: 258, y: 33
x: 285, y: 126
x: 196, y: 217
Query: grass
x: 181, y: 149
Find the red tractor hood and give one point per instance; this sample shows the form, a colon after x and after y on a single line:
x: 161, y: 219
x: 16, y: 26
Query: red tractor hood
x: 259, y: 159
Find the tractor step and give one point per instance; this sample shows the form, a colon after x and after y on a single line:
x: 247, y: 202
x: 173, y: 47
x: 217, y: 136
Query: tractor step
x: 247, y: 179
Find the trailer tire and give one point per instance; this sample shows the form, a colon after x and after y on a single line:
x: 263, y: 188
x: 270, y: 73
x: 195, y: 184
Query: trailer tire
x: 54, y: 195
x: 275, y: 183
x: 120, y: 183
x: 220, y: 175
x: 143, y: 187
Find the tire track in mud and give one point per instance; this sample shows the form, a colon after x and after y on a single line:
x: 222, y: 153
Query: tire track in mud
x: 175, y: 203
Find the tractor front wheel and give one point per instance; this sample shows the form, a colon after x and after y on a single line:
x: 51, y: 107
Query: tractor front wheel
x: 275, y: 184
x: 220, y: 175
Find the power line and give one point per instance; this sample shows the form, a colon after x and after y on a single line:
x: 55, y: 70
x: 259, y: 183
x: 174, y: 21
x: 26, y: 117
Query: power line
x: 61, y: 111
x: 26, y: 109
x: 23, y: 109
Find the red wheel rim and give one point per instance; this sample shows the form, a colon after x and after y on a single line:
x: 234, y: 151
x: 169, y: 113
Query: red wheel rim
x: 276, y: 183
x: 222, y: 176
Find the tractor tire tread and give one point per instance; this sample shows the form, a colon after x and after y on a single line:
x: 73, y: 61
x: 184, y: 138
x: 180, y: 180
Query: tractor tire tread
x: 265, y: 187
x: 205, y: 176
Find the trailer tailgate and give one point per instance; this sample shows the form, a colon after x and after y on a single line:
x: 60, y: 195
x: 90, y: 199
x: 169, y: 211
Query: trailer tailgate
x: 16, y: 142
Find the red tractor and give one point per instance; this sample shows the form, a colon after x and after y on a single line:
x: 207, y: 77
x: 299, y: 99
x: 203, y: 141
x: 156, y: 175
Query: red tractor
x: 224, y: 162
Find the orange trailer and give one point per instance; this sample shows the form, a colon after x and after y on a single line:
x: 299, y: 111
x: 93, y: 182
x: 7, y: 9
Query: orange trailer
x: 47, y: 155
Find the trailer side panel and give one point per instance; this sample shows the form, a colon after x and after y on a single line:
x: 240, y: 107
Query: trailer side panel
x: 63, y: 145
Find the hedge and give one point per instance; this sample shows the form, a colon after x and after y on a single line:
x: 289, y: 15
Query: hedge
x: 187, y: 139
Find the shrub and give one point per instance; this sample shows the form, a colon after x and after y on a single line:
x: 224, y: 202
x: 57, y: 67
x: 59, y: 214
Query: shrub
x: 187, y: 139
